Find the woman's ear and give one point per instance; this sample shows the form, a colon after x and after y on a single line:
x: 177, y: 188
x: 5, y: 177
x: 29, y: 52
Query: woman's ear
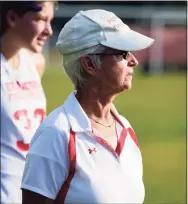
x: 11, y: 18
x: 87, y: 64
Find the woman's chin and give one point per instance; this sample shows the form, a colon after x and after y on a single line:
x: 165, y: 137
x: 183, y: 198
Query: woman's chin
x: 127, y: 85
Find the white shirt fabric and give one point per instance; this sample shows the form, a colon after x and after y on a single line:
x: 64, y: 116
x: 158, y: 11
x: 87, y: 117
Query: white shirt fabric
x: 23, y: 107
x: 101, y: 176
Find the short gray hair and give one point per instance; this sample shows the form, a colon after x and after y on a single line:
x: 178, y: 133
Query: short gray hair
x: 73, y: 68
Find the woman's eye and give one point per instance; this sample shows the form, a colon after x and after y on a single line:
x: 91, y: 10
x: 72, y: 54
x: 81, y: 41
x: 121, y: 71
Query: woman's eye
x: 124, y: 56
x: 41, y: 18
x: 119, y: 57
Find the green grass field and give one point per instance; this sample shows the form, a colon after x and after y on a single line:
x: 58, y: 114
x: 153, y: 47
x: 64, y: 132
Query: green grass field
x: 156, y: 108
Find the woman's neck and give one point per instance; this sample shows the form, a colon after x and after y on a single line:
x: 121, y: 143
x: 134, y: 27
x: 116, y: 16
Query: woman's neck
x: 10, y: 50
x: 95, y: 102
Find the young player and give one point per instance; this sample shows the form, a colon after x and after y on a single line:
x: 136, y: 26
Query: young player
x: 24, y: 24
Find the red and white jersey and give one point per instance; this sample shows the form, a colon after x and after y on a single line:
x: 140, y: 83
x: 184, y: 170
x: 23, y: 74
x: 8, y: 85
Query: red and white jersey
x: 76, y: 165
x: 23, y: 108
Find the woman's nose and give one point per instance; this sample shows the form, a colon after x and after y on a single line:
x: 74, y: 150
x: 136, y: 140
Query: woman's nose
x: 48, y: 29
x: 132, y: 61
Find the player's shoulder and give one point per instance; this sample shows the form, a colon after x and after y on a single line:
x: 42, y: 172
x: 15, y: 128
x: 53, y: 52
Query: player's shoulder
x: 36, y: 57
x: 24, y: 53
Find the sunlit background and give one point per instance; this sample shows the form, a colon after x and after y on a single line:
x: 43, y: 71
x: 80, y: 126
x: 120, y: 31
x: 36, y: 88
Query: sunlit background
x: 156, y: 105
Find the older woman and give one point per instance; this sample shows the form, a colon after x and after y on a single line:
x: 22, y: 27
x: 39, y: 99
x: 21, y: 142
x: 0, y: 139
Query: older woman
x: 85, y: 151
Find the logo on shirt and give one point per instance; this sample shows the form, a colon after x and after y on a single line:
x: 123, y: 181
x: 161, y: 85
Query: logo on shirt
x: 92, y: 150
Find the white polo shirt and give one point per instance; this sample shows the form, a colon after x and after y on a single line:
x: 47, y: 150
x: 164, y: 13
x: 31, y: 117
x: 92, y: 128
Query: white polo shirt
x: 68, y: 162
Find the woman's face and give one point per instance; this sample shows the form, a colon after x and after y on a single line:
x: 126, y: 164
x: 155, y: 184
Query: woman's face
x: 116, y: 70
x: 33, y: 28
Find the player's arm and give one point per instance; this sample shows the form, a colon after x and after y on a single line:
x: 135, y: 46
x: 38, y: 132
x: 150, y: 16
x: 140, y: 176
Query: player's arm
x: 29, y: 197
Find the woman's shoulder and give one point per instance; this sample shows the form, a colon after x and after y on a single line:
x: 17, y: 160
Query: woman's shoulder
x: 57, y: 119
x: 54, y: 129
x: 125, y: 121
